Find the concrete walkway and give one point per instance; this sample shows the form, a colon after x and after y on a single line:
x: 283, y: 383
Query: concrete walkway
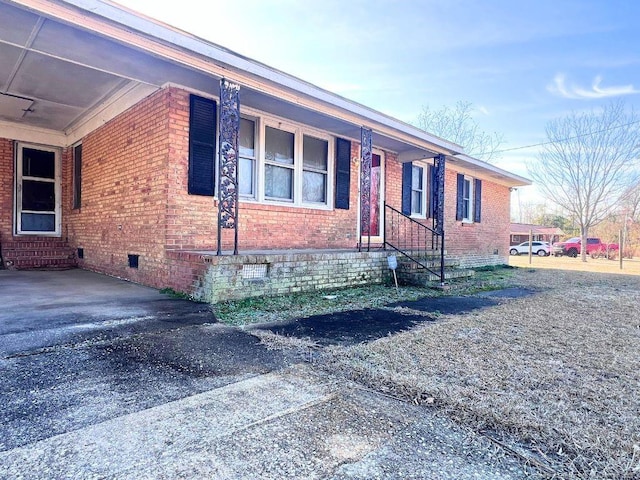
x: 154, y: 388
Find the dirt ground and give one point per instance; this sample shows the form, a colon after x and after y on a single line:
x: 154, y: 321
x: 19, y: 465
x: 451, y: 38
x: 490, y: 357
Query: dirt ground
x: 553, y: 376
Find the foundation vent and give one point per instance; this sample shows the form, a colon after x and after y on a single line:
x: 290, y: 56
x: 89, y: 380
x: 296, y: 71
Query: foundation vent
x: 133, y: 261
x: 254, y: 271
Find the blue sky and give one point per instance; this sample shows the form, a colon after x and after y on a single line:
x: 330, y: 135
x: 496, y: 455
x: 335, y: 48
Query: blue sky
x: 521, y: 63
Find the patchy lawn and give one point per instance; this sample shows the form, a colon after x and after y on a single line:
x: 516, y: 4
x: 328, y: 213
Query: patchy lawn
x: 554, y: 376
x: 299, y: 305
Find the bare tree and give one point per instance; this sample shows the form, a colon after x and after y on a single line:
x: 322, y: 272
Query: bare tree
x: 631, y: 202
x: 458, y: 125
x: 588, y: 163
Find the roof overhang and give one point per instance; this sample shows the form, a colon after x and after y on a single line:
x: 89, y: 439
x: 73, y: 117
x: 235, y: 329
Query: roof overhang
x: 472, y: 166
x: 482, y: 169
x: 77, y: 60
x: 68, y: 66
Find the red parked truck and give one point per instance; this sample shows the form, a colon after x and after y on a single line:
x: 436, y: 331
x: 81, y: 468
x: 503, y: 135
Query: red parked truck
x: 595, y: 248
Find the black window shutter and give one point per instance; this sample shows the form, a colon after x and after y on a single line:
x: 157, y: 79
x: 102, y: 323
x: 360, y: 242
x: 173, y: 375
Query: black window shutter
x: 459, y: 193
x: 477, y: 200
x: 77, y: 176
x: 432, y: 198
x: 407, y: 170
x: 202, y: 145
x: 343, y: 173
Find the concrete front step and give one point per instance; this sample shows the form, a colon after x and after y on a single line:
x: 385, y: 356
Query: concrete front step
x: 452, y: 275
x: 432, y: 263
x: 423, y: 277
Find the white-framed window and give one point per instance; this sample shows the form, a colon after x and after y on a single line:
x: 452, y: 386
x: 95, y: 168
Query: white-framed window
x: 315, y: 155
x: 247, y: 158
x: 283, y: 162
x: 279, y: 164
x: 467, y: 199
x: 418, y: 197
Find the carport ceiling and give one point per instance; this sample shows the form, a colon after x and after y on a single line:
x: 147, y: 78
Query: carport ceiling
x: 61, y: 73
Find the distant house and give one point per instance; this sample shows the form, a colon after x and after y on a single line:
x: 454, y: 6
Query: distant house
x: 520, y: 233
x: 131, y: 148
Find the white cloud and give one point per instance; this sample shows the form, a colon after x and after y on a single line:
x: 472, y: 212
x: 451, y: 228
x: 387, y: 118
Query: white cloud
x: 559, y: 87
x: 483, y: 110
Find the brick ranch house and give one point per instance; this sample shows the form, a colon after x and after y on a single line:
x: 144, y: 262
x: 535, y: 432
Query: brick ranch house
x: 121, y: 137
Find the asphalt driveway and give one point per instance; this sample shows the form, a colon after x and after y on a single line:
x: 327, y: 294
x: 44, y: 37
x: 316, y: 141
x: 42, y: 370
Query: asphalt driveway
x: 102, y: 378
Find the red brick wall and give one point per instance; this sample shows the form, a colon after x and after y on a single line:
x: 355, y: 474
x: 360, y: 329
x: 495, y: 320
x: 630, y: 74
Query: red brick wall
x: 6, y: 189
x: 393, y: 185
x: 124, y: 178
x: 486, y: 237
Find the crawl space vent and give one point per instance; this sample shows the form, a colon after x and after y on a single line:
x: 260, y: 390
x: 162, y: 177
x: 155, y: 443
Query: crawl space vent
x: 133, y: 261
x: 254, y: 271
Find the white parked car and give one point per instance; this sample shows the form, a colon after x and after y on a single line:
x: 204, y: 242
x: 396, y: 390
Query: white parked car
x: 541, y: 249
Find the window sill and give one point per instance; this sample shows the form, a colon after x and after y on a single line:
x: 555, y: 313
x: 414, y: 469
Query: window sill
x: 285, y: 204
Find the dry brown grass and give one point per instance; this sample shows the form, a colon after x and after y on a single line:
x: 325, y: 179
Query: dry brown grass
x: 557, y: 373
x: 599, y: 265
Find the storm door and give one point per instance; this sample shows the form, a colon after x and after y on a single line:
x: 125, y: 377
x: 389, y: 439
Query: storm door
x: 376, y: 216
x: 37, y: 190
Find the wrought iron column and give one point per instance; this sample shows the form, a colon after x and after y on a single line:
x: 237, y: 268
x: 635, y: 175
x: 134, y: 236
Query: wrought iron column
x: 228, y: 164
x: 365, y: 185
x: 439, y: 165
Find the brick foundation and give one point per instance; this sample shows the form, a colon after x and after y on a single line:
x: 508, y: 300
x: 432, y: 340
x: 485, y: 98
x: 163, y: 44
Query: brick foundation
x: 211, y: 278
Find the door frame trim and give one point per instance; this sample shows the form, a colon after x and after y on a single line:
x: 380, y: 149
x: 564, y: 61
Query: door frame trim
x: 17, y: 193
x: 377, y: 238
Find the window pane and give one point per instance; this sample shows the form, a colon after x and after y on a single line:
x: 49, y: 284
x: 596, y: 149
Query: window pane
x: 247, y: 138
x: 467, y: 189
x: 315, y: 153
x: 38, y: 163
x: 465, y: 209
x: 38, y: 196
x: 245, y: 176
x: 38, y: 222
x: 416, y: 202
x: 278, y: 182
x: 278, y: 146
x: 314, y: 187
x: 416, y: 178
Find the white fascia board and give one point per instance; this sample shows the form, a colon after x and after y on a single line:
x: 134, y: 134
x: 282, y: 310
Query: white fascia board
x: 27, y: 133
x: 494, y: 173
x: 245, y: 68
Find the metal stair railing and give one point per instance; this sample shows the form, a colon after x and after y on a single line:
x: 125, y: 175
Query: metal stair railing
x: 413, y: 239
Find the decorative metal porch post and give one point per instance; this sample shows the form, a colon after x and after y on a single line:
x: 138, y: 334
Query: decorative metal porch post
x: 228, y: 164
x: 439, y: 165
x: 365, y: 186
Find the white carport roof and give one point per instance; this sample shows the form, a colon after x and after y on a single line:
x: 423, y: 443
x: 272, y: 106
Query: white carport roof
x: 66, y: 67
